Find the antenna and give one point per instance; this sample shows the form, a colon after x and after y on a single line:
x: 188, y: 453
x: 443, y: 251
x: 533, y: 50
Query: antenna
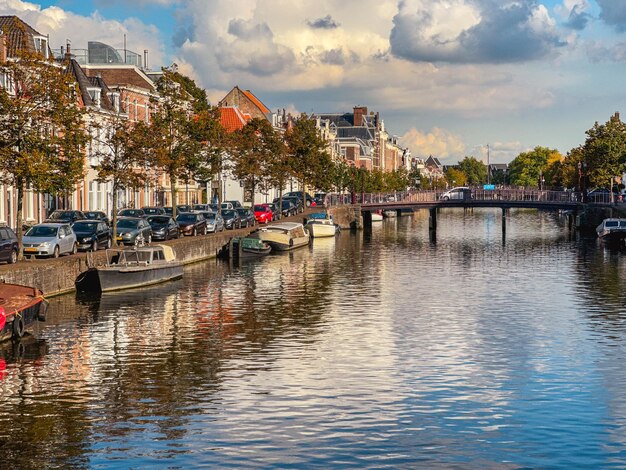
x: 125, y: 48
x: 488, y: 166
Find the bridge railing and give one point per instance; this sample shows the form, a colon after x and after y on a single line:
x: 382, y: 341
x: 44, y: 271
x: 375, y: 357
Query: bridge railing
x: 475, y: 194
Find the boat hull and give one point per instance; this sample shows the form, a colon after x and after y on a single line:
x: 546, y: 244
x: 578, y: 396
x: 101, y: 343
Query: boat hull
x: 113, y: 278
x: 319, y: 230
x: 22, y: 307
x: 377, y: 217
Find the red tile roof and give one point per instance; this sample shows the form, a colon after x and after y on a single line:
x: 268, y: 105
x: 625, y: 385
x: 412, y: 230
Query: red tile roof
x: 257, y: 102
x: 232, y: 119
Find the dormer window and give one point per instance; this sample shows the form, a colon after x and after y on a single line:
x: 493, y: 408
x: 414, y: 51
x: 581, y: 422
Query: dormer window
x: 41, y: 45
x: 94, y: 93
x: 115, y: 101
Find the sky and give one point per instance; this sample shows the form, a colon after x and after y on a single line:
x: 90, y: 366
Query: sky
x: 450, y: 78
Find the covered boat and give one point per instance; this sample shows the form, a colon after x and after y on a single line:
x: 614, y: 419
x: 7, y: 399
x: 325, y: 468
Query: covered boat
x: 612, y: 230
x: 284, y: 236
x: 244, y: 248
x: 20, y: 307
x: 131, y: 267
x: 321, y: 224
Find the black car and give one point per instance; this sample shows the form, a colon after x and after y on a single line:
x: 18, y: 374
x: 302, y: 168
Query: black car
x: 8, y: 245
x: 288, y: 208
x: 319, y: 198
x: 131, y: 213
x: 309, y: 200
x: 235, y: 204
x: 183, y: 208
x: 97, y: 215
x: 247, y: 217
x: 191, y: 223
x: 275, y: 211
x: 231, y: 219
x: 163, y: 227
x: 65, y: 217
x: 151, y: 210
x: 92, y: 234
x: 297, y: 202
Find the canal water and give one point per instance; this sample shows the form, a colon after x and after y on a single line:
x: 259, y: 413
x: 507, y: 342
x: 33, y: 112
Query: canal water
x: 384, y: 349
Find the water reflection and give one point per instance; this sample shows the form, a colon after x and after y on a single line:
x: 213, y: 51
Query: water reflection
x: 365, y: 350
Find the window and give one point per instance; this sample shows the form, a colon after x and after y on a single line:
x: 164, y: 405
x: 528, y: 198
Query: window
x: 41, y: 45
x: 4, y: 235
x: 115, y: 101
x: 94, y: 93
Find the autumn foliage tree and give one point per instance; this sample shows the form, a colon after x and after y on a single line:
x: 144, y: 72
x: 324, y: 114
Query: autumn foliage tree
x: 42, y: 136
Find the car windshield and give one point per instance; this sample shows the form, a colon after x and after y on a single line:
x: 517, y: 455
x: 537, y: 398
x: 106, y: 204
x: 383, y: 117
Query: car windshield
x: 42, y: 231
x: 261, y: 208
x: 151, y: 210
x: 93, y: 215
x: 228, y: 213
x: 60, y: 215
x: 209, y: 215
x: 85, y: 226
x: 158, y: 221
x: 127, y: 223
x: 186, y: 218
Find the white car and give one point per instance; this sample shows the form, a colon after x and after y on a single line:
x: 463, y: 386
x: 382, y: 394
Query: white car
x: 49, y: 240
x: 457, y: 193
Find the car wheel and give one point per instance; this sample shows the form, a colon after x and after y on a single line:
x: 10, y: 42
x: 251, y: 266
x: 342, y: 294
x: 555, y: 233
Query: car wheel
x: 94, y: 245
x: 194, y: 233
x: 55, y: 252
x: 149, y: 239
x: 74, y: 249
x: 204, y: 232
x: 13, y: 258
x: 445, y: 198
x: 109, y: 243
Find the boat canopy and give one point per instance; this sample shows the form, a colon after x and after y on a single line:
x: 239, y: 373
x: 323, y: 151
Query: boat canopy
x: 318, y: 215
x: 612, y: 223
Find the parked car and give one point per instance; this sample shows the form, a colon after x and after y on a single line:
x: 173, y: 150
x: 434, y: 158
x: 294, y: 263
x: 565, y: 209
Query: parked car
x: 133, y: 230
x: 246, y: 216
x: 168, y: 210
x: 183, y: 208
x: 309, y: 201
x: 191, y: 223
x: 153, y: 210
x: 49, y: 239
x: 601, y: 195
x: 296, y: 201
x: 163, y: 227
x: 9, y: 248
x: 319, y: 198
x: 458, y: 193
x: 202, y: 207
x: 263, y: 213
x: 92, y: 234
x: 131, y: 213
x: 214, y: 222
x: 97, y: 215
x: 64, y: 217
x: 231, y: 219
x: 235, y: 204
x: 275, y: 211
x: 288, y: 208
x: 227, y: 206
x: 214, y: 207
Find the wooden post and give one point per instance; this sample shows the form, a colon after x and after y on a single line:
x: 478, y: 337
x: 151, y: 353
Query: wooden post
x: 504, y: 222
x: 432, y: 220
x: 231, y: 246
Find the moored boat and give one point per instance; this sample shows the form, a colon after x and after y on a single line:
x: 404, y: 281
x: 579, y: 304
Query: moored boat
x: 377, y: 217
x: 612, y: 230
x: 20, y: 307
x: 390, y: 213
x: 244, y: 248
x: 284, y: 236
x: 131, y: 267
x: 321, y: 224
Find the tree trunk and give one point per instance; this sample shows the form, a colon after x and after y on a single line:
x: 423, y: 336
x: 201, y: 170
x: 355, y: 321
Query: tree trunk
x: 114, y: 216
x: 173, y: 192
x: 19, y: 217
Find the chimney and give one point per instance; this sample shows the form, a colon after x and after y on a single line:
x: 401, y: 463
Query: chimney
x: 3, y: 48
x: 145, y: 59
x: 68, y: 52
x: 359, y: 112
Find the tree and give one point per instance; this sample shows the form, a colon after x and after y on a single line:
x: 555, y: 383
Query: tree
x: 173, y: 147
x: 310, y: 160
x: 475, y: 171
x: 528, y: 167
x: 253, y: 150
x: 456, y: 177
x: 604, y: 151
x: 120, y: 148
x: 41, y: 130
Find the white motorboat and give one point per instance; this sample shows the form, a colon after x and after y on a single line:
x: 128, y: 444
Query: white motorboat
x: 321, y: 224
x: 284, y: 236
x: 612, y: 230
x: 377, y: 217
x: 390, y: 213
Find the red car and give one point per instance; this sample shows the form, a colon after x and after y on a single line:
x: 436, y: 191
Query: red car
x: 263, y: 214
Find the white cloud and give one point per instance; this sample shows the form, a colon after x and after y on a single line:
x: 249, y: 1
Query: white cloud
x: 438, y: 142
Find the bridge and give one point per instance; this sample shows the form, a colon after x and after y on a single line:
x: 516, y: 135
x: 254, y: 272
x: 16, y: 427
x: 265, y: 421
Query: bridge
x: 503, y: 198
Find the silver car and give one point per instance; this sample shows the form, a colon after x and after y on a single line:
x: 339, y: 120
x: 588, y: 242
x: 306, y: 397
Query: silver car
x: 49, y: 239
x: 214, y: 222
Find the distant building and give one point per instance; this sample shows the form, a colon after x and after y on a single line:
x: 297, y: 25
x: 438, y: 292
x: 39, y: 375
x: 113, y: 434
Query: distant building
x: 247, y: 102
